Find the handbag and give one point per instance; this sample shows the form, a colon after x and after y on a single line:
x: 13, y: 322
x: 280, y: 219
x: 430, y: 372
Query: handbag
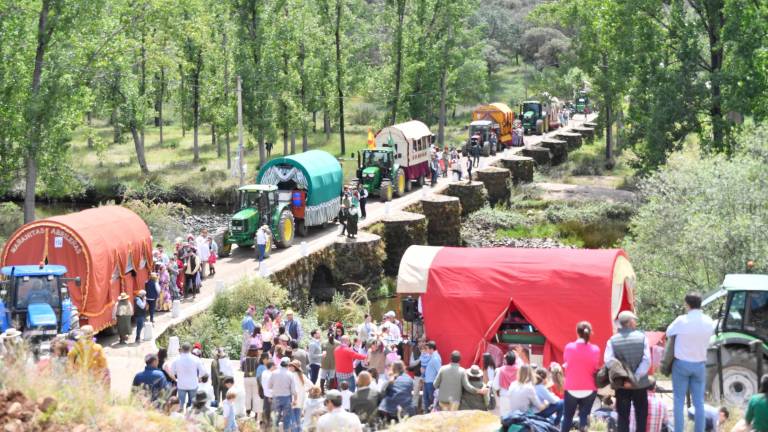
x: 669, y: 356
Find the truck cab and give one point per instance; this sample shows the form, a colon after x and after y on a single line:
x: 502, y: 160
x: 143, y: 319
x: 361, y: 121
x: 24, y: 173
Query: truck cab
x: 35, y: 301
x: 582, y: 104
x: 741, y: 337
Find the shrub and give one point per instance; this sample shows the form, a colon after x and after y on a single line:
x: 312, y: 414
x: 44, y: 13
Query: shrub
x: 254, y: 291
x: 163, y: 219
x: 11, y: 218
x: 349, y: 310
x: 496, y: 217
x: 703, y: 217
x: 591, y: 212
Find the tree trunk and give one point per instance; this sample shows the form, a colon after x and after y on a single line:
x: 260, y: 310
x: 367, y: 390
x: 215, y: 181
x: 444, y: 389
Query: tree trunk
x: 262, y: 148
x: 327, y: 124
x: 196, y: 105
x: 160, y: 104
x: 143, y: 85
x: 339, y: 76
x: 181, y: 100
x: 314, y: 121
x: 303, y: 92
x: 216, y: 143
x: 43, y: 36
x: 400, y: 5
x: 293, y: 142
x: 285, y: 140
x: 716, y: 20
x: 116, y: 132
x: 229, y: 151
x: 608, y: 133
x: 226, y: 97
x: 138, y: 143
x: 89, y: 122
x: 443, y: 95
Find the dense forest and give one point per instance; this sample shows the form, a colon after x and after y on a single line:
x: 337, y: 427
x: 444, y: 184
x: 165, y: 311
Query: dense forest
x: 664, y: 72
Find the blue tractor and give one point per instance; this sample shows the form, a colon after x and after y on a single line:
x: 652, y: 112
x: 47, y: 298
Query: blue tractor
x: 35, y: 300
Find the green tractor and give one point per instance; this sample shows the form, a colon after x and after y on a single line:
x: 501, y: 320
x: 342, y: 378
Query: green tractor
x: 259, y: 205
x: 380, y: 175
x: 534, y: 117
x: 582, y: 103
x: 739, y: 347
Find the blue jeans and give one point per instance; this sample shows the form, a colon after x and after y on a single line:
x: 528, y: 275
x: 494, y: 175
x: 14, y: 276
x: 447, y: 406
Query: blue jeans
x: 429, y: 395
x: 261, y: 249
x: 555, y: 409
x: 282, y: 406
x: 688, y: 376
x: 569, y: 407
x: 139, y: 327
x: 186, y: 397
x: 296, y: 418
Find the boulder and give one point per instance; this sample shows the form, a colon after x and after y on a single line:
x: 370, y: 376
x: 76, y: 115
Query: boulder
x: 558, y: 149
x: 572, y: 139
x: 472, y: 195
x: 401, y: 230
x: 540, y: 155
x: 496, y: 181
x: 520, y: 167
x: 443, y: 214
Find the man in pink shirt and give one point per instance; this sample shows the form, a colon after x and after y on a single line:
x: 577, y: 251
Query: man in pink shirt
x: 345, y: 357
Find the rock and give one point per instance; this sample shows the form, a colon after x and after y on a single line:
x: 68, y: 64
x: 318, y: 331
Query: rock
x: 558, y: 149
x: 360, y: 260
x: 14, y: 425
x: 14, y: 410
x: 496, y: 182
x: 572, y: 138
x: 587, y: 133
x: 472, y: 196
x: 401, y: 230
x: 540, y: 155
x: 443, y: 219
x: 47, y: 404
x: 520, y: 167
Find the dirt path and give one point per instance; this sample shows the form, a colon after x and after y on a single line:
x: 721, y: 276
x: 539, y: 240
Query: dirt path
x: 126, y: 360
x: 578, y: 192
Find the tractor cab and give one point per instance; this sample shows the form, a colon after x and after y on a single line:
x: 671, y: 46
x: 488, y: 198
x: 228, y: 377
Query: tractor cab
x: 582, y: 104
x: 482, y: 130
x: 255, y: 205
x: 741, y: 337
x: 534, y: 117
x: 373, y: 166
x: 35, y: 300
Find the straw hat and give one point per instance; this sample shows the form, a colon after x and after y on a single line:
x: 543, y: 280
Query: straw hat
x: 86, y: 331
x: 296, y: 364
x: 475, y: 372
x: 123, y: 296
x: 11, y: 333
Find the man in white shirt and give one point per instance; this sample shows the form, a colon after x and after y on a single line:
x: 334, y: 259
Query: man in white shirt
x: 394, y: 337
x: 692, y: 332
x: 203, y: 251
x: 261, y: 242
x: 187, y: 369
x: 337, y: 419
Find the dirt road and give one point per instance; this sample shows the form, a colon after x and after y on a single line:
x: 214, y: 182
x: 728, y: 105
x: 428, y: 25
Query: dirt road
x: 126, y: 360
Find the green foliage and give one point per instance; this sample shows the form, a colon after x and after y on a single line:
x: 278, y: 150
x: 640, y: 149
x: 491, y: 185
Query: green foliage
x: 258, y: 292
x: 345, y: 309
x: 11, y: 218
x: 703, y: 217
x: 163, y: 219
x: 496, y: 217
x: 591, y: 212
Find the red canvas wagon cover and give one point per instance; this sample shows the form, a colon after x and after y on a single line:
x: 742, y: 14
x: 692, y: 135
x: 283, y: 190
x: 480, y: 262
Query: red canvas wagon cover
x: 108, y: 247
x: 466, y: 293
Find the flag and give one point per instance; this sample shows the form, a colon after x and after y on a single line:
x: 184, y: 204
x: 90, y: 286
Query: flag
x: 371, y: 140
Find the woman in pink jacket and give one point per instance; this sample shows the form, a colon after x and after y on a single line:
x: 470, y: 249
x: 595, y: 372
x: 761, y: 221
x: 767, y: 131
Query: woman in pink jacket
x: 582, y: 360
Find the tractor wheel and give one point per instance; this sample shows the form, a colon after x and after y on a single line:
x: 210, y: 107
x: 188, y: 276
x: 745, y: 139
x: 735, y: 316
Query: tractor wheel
x: 226, y: 248
x: 421, y: 180
x: 400, y: 182
x: 286, y: 229
x: 301, y: 228
x: 739, y: 379
x: 486, y: 150
x: 386, y: 191
x: 408, y: 185
x: 539, y: 127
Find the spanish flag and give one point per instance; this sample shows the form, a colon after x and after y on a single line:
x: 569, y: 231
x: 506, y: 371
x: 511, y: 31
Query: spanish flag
x: 371, y: 140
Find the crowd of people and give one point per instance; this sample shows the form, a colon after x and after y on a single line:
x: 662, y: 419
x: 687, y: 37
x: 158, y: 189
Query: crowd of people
x: 370, y: 375
x: 175, y: 276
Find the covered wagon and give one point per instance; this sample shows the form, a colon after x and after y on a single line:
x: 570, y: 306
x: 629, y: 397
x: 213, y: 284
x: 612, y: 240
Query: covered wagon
x: 471, y: 298
x: 109, y: 248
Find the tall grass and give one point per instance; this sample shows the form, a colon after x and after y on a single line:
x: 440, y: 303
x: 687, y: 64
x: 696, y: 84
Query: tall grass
x: 79, y: 400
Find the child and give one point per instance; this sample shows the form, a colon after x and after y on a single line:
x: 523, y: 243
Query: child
x: 228, y: 411
x: 345, y: 395
x: 313, y: 408
x: 214, y: 248
x: 207, y: 387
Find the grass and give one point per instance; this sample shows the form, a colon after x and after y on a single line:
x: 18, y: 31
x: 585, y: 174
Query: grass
x: 541, y: 231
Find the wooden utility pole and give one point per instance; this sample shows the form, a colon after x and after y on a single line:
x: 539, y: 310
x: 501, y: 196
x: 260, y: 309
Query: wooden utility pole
x: 240, y: 152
